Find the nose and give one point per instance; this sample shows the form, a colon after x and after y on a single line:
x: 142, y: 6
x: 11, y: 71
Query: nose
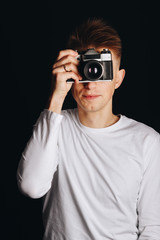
x: 90, y: 85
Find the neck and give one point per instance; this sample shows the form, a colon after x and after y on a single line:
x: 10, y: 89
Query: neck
x: 97, y: 119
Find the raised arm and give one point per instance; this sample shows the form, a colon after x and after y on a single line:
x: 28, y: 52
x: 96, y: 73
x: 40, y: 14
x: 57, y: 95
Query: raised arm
x: 40, y: 159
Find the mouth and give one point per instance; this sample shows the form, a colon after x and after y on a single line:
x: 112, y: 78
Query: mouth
x: 91, y: 97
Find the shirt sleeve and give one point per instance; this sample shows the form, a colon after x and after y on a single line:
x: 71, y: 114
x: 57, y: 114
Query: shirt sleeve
x: 40, y: 158
x: 149, y: 195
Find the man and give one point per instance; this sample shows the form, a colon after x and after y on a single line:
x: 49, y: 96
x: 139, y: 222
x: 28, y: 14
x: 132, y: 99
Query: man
x: 98, y: 172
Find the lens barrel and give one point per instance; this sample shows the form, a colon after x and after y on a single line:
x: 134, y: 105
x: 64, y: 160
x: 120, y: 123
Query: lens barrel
x: 93, y: 70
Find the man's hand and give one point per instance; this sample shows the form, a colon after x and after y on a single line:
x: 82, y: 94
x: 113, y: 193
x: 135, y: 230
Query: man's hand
x: 64, y: 68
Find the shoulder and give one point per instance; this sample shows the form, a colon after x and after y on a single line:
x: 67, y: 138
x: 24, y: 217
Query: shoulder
x: 140, y: 130
x: 145, y: 140
x: 69, y: 117
x: 139, y: 127
x: 69, y: 113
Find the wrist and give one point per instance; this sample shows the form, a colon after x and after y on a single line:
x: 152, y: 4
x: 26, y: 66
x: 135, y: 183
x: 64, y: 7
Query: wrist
x: 56, y: 103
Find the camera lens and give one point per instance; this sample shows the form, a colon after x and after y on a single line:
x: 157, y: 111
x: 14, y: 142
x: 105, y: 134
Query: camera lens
x: 93, y: 70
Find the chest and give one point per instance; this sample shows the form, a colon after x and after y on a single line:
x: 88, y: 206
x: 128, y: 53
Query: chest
x: 108, y: 166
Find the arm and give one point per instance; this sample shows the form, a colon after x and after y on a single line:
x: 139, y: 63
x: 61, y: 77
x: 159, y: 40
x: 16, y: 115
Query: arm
x: 149, y: 195
x: 40, y: 159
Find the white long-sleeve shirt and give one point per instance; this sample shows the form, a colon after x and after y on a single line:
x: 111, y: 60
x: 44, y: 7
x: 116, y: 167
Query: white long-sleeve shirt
x: 98, y: 184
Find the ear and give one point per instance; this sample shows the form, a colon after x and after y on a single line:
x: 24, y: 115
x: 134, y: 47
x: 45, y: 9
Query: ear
x: 119, y: 78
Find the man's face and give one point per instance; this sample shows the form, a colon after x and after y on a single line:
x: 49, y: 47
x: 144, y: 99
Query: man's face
x: 95, y: 96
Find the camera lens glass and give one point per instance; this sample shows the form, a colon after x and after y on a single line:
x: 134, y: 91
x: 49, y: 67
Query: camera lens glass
x: 93, y: 70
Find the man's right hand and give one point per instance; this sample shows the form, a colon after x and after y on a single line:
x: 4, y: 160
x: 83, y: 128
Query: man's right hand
x: 64, y: 68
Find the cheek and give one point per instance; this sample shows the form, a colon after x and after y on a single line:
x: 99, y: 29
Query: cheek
x: 108, y: 89
x: 75, y: 91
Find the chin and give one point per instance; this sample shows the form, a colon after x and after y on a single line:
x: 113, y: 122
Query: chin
x: 95, y: 105
x: 90, y: 108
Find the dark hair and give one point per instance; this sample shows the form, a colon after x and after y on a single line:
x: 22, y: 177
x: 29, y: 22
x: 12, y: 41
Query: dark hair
x: 96, y: 33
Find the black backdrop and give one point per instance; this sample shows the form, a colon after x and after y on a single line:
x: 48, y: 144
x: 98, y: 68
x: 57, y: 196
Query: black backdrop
x: 32, y: 33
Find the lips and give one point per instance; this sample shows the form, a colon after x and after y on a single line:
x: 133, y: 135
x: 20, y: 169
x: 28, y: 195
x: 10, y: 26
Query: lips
x: 91, y: 97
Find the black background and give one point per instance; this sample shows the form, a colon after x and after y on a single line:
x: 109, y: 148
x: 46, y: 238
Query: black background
x: 32, y: 33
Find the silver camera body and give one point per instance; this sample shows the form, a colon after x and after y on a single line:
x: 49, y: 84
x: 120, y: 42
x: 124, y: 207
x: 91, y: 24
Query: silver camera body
x: 95, y: 66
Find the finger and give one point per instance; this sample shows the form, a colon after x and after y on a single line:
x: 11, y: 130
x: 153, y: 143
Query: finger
x: 69, y: 67
x: 66, y: 52
x: 64, y: 76
x: 65, y: 60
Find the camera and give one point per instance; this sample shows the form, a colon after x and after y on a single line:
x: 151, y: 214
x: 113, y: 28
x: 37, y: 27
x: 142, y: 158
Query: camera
x: 95, y: 66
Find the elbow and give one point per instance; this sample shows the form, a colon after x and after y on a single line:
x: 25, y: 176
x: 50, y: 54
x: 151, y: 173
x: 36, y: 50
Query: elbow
x: 32, y: 189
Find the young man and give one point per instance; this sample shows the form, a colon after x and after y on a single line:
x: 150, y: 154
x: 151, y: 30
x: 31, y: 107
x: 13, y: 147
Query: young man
x: 98, y: 172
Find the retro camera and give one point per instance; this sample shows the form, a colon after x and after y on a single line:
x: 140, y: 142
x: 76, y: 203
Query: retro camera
x: 95, y: 66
